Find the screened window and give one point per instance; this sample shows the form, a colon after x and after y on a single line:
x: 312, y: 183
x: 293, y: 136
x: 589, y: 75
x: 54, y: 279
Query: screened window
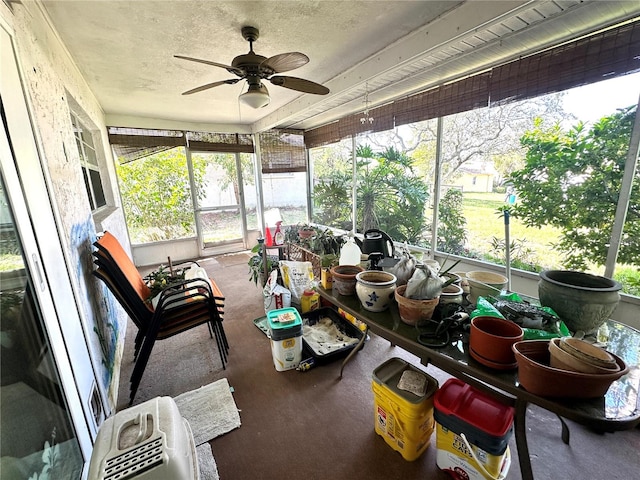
x: 284, y: 179
x: 480, y: 151
x: 332, y: 185
x: 156, y: 195
x: 89, y: 163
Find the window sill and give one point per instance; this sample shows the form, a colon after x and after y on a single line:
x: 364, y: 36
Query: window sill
x: 103, y: 214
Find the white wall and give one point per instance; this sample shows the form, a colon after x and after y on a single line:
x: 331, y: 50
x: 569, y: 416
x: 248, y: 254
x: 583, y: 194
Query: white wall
x: 53, y: 82
x: 282, y: 189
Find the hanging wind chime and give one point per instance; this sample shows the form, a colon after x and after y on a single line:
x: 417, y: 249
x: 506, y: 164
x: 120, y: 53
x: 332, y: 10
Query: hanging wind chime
x: 366, y: 118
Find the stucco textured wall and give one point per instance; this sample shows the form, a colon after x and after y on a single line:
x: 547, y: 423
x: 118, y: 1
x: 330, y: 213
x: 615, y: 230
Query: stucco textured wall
x: 52, y: 83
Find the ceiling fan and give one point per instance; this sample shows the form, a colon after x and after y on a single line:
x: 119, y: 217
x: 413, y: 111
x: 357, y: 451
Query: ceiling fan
x: 256, y: 68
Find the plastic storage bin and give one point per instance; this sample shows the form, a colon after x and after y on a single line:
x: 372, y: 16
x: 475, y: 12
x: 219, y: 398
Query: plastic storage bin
x: 472, y: 432
x: 403, y: 418
x: 285, y: 333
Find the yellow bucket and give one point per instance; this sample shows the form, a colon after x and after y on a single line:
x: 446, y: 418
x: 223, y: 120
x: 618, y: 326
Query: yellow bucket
x: 404, y: 418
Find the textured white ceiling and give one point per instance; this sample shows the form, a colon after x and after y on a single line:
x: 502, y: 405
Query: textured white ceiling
x: 125, y: 50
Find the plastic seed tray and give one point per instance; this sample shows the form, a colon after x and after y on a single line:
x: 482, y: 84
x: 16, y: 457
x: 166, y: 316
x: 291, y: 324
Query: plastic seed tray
x: 340, y: 346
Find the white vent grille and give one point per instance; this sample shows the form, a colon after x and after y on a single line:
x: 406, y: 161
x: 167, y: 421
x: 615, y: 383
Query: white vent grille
x: 95, y: 404
x: 149, y: 441
x: 135, y: 461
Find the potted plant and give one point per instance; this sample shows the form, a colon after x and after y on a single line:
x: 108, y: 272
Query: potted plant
x: 418, y: 299
x: 448, y: 276
x: 162, y: 278
x: 324, y: 242
x: 306, y: 231
x: 291, y: 234
x: 256, y: 265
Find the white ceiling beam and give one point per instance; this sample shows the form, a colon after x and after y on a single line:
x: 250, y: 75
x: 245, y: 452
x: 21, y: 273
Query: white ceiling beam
x: 130, y: 121
x: 455, y: 23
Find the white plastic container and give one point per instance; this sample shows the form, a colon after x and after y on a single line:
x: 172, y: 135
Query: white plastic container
x: 149, y: 441
x: 285, y: 333
x: 350, y: 252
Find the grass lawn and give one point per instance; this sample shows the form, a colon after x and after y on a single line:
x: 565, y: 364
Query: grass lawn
x: 484, y: 224
x: 9, y: 261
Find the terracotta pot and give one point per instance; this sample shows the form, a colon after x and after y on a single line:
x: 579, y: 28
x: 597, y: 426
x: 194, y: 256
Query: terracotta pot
x: 583, y: 301
x: 491, y: 339
x: 566, y: 361
x: 375, y: 289
x: 587, y: 351
x: 412, y: 312
x: 306, y: 233
x: 537, y: 377
x: 344, y: 278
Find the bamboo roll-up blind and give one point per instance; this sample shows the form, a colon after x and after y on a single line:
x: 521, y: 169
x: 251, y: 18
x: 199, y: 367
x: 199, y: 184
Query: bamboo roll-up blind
x: 602, y: 55
x: 283, y: 151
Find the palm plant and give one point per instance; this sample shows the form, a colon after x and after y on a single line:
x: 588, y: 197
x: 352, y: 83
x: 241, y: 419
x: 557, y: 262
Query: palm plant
x: 388, y: 191
x: 389, y: 195
x: 332, y: 201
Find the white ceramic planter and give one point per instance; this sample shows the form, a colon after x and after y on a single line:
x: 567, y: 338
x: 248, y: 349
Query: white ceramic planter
x: 375, y: 289
x: 451, y: 294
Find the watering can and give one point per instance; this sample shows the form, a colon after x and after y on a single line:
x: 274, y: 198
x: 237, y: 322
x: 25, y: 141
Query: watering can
x: 376, y: 241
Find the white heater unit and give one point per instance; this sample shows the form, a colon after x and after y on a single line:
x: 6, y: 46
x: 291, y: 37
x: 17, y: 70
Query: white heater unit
x: 150, y: 441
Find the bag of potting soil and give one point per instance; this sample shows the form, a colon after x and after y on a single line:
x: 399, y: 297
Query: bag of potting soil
x: 538, y: 323
x: 484, y: 308
x: 403, y: 270
x: 423, y: 285
x: 297, y: 277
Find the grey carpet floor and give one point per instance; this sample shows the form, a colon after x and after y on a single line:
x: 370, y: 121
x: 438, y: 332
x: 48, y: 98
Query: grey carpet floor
x: 312, y: 425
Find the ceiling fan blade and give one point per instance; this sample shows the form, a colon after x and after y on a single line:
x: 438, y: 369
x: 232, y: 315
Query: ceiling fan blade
x: 285, y: 62
x: 299, y: 84
x: 229, y: 68
x: 211, y: 85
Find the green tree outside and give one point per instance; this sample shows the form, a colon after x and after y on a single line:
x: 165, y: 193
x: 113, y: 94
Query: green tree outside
x: 452, y: 225
x: 156, y: 195
x: 389, y: 196
x: 571, y: 180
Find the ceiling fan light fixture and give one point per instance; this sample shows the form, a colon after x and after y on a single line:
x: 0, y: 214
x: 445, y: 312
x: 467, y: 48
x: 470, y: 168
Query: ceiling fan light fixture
x: 257, y: 96
x: 254, y: 68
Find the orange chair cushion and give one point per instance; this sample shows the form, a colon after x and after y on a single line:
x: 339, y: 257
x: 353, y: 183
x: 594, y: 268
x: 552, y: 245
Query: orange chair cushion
x: 121, y: 258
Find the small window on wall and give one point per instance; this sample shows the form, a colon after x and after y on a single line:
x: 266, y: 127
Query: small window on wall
x: 88, y: 163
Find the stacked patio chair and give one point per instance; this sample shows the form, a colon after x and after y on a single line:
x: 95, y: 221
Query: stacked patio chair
x: 181, y: 306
